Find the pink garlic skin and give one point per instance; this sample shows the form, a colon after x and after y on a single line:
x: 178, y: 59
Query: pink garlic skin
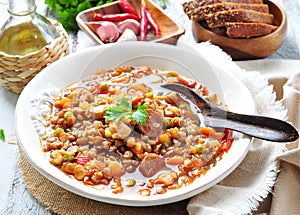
x: 108, y: 31
x: 132, y: 24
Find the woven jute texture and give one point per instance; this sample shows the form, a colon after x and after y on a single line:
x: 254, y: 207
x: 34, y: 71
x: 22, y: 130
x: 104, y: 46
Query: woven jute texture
x: 16, y: 71
x: 61, y: 201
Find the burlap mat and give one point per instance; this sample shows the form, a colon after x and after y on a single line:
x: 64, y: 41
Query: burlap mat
x: 61, y: 201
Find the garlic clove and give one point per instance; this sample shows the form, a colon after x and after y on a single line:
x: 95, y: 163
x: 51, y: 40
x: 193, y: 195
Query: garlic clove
x: 128, y: 35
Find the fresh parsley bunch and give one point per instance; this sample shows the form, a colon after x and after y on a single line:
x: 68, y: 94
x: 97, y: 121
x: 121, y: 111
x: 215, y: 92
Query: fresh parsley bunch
x: 67, y: 10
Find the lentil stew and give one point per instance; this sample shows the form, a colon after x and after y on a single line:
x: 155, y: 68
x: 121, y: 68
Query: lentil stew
x: 121, y: 130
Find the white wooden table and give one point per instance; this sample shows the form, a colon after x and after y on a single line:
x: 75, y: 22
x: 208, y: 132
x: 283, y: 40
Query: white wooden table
x: 14, y: 197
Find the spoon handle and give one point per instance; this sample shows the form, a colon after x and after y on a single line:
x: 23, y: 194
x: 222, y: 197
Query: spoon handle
x: 257, y: 126
x: 265, y: 128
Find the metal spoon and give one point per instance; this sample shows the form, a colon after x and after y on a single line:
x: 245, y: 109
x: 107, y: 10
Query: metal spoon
x: 256, y: 126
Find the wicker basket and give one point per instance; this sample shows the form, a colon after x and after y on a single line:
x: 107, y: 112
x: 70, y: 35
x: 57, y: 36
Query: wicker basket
x: 16, y: 71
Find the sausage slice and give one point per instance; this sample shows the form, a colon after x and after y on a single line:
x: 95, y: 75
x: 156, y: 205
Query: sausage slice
x: 154, y: 124
x: 151, y: 164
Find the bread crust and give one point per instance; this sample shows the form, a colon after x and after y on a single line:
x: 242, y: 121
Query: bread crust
x: 234, y: 18
x: 198, y: 14
x: 219, y: 19
x: 247, y: 30
x: 187, y: 6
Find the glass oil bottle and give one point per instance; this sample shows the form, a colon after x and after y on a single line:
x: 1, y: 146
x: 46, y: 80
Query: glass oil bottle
x: 25, y: 31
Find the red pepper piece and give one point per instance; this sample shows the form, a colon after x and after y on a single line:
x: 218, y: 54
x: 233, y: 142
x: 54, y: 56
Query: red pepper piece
x: 102, y: 89
x: 153, y: 23
x: 126, y: 7
x: 82, y: 160
x: 115, y: 17
x: 143, y: 23
x: 137, y: 100
x: 227, y: 139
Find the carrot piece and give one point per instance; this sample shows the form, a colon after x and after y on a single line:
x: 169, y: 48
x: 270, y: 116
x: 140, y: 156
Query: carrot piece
x: 175, y: 160
x: 207, y: 131
x: 187, y: 82
x: 119, y: 79
x: 63, y: 103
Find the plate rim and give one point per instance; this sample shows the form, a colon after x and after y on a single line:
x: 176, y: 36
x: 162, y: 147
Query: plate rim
x: 125, y: 202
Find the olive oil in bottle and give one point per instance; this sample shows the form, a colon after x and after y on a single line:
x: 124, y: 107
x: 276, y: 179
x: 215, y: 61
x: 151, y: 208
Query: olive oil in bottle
x: 25, y: 31
x: 22, y: 39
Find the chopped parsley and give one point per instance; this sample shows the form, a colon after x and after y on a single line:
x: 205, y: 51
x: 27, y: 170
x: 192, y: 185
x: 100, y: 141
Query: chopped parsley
x: 116, y: 113
x: 2, y: 135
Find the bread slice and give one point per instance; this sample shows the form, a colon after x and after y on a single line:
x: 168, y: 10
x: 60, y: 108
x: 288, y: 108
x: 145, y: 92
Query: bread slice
x: 219, y: 19
x: 190, y: 5
x: 247, y: 30
x: 199, y: 13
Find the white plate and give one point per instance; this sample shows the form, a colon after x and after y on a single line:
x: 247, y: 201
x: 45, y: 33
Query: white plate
x: 179, y: 58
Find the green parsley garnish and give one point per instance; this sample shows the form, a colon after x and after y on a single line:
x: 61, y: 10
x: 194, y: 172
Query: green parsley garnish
x: 116, y: 113
x: 140, y: 115
x: 2, y: 135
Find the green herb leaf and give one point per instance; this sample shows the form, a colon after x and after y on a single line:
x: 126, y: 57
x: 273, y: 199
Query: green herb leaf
x: 2, y: 135
x: 116, y: 113
x: 125, y: 104
x: 140, y: 115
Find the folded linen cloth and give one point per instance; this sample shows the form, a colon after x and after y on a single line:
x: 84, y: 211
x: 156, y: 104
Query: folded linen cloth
x: 287, y: 188
x: 243, y: 191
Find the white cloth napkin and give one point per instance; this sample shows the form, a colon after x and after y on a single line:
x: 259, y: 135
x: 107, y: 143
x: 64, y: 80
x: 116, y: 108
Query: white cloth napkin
x: 250, y: 184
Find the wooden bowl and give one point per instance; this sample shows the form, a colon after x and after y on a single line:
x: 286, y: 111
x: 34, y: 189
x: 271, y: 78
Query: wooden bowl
x: 251, y: 48
x: 170, y: 31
